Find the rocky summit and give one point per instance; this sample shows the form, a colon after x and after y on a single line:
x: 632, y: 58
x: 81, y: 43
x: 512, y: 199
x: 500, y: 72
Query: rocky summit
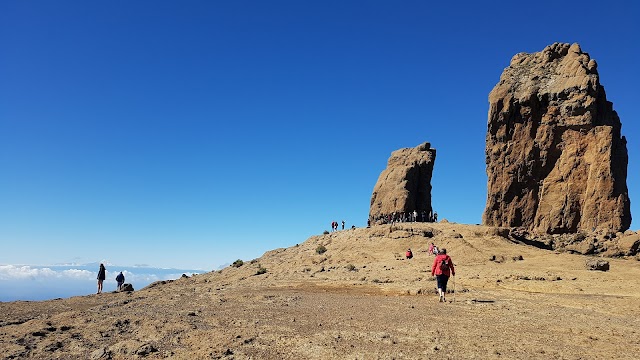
x: 405, y: 185
x: 556, y: 160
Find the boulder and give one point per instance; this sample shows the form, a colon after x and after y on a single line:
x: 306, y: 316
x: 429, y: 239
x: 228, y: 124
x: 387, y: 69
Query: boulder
x: 585, y: 247
x: 630, y: 245
x: 597, y: 264
x: 405, y: 185
x: 556, y: 160
x: 126, y: 287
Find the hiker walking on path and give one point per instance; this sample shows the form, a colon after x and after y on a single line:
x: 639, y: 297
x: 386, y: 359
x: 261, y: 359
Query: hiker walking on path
x: 102, y: 274
x: 442, y: 268
x: 342, y: 224
x: 431, y: 248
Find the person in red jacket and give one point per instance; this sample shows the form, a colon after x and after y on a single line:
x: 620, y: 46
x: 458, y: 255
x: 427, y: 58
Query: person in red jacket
x: 442, y: 268
x: 409, y: 254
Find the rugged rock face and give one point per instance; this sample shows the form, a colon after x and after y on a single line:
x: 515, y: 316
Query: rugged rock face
x: 405, y: 185
x: 556, y: 160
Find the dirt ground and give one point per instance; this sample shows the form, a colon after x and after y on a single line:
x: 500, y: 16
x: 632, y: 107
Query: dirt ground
x: 360, y: 299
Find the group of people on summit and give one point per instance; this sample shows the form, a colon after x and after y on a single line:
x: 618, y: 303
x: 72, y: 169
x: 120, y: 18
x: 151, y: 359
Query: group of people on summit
x: 334, y: 225
x: 398, y: 217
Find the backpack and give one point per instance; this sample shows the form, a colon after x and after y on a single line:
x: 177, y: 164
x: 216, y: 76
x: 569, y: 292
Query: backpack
x: 444, y: 265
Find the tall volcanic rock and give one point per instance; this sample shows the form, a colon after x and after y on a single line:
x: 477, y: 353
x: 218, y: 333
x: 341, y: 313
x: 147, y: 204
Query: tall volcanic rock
x: 556, y: 161
x: 405, y: 185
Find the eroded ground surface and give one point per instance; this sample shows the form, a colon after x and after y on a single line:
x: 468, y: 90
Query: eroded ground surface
x: 363, y: 303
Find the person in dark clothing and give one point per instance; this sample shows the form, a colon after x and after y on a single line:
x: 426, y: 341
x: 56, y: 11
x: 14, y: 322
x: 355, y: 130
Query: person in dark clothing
x: 102, y: 274
x: 442, y: 268
x: 120, y: 280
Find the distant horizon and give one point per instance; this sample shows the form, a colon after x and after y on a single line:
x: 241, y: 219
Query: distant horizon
x: 46, y: 282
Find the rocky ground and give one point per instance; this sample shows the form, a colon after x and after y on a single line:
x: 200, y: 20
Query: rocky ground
x: 360, y: 299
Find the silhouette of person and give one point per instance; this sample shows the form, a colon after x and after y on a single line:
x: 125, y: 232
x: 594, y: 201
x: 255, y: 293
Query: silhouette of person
x: 102, y: 274
x: 120, y: 280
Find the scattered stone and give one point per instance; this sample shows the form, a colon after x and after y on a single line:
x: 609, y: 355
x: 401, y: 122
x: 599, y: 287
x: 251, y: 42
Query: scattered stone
x: 597, y: 264
x: 101, y: 353
x: 146, y: 349
x: 53, y: 347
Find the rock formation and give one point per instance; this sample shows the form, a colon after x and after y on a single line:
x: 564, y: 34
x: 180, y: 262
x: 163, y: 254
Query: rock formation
x: 556, y: 160
x: 405, y: 185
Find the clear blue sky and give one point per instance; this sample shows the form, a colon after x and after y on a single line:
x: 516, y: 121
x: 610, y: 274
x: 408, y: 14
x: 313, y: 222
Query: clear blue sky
x: 192, y: 133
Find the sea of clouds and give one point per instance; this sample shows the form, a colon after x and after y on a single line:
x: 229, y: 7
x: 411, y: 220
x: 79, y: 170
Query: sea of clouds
x: 34, y: 282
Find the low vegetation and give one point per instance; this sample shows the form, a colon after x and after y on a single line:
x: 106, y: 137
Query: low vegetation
x: 321, y: 249
x: 237, y: 263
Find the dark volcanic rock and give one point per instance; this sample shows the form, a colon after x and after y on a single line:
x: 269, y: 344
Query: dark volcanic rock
x: 405, y: 185
x: 127, y: 287
x: 556, y: 160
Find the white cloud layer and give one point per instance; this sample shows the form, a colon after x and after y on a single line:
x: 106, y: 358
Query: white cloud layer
x: 33, y: 282
x: 78, y: 273
x: 24, y: 272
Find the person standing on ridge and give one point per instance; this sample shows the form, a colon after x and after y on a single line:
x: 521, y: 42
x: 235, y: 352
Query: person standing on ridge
x: 102, y: 274
x: 120, y: 280
x: 342, y: 224
x: 442, y: 268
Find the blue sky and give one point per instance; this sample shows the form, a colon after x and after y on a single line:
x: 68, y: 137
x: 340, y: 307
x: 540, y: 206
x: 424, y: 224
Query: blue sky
x: 191, y: 134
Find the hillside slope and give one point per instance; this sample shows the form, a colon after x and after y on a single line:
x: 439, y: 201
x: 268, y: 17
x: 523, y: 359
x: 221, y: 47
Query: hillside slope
x: 360, y: 299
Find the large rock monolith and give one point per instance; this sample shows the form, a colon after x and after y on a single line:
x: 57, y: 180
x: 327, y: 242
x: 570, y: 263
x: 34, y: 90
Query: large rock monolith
x: 404, y: 187
x: 556, y: 160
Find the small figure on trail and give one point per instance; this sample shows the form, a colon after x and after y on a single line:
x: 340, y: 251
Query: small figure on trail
x: 431, y: 248
x: 435, y: 250
x: 435, y: 217
x: 409, y: 254
x: 120, y: 280
x: 442, y: 268
x: 342, y: 224
x: 102, y: 274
